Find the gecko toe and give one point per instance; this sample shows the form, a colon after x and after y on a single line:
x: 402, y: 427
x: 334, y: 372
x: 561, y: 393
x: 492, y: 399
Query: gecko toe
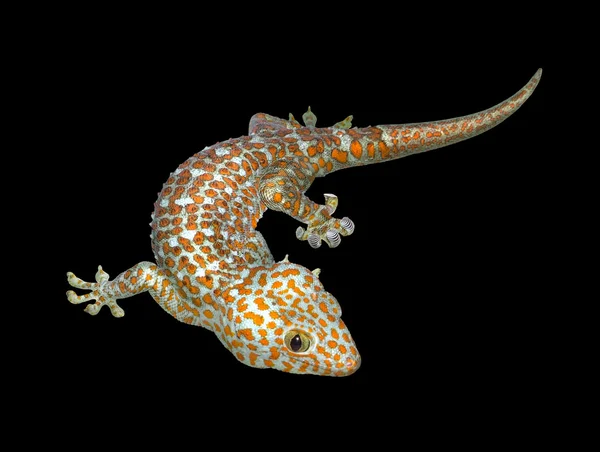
x: 332, y: 238
x: 347, y: 226
x: 314, y: 240
x: 301, y: 233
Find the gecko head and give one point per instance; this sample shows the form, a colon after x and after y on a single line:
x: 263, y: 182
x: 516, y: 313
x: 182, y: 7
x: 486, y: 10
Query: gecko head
x: 282, y: 317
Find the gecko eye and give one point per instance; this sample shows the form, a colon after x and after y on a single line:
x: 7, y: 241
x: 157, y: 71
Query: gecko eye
x: 297, y: 341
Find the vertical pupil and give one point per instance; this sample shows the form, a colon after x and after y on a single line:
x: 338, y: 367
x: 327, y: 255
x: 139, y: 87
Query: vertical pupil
x: 296, y: 343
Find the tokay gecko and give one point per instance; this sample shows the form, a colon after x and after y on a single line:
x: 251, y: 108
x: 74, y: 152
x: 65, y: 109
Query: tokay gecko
x: 214, y: 269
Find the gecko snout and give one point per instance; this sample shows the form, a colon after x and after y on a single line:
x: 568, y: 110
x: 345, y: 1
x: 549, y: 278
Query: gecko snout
x: 352, y: 364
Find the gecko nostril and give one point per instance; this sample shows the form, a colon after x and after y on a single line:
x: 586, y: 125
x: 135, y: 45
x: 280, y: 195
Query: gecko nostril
x: 352, y: 364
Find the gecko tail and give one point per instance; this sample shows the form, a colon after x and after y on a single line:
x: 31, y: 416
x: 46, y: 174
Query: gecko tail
x: 388, y: 142
x: 421, y: 137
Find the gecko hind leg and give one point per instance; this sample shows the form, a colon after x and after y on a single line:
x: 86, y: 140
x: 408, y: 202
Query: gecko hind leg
x: 282, y: 189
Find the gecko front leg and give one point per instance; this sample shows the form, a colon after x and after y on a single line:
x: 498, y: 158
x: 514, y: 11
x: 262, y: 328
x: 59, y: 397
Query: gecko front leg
x: 282, y: 188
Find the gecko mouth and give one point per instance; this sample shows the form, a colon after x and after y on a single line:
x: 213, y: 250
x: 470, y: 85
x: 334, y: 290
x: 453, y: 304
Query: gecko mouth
x: 342, y: 368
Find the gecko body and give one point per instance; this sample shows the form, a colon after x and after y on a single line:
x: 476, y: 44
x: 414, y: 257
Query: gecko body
x: 214, y: 269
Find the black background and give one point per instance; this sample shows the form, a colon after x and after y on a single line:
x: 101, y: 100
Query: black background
x: 437, y: 284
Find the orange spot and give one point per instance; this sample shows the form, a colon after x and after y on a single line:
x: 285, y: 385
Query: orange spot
x: 260, y: 302
x: 198, y: 199
x: 256, y: 319
x: 262, y: 280
x: 385, y: 151
x: 205, y: 281
x: 253, y: 357
x: 332, y: 344
x: 217, y: 184
x: 277, y: 197
x: 208, y: 314
x: 208, y: 299
x: 247, y: 333
x: 290, y: 271
x: 201, y: 262
x: 356, y: 149
x: 370, y: 150
x: 340, y: 156
x: 321, y: 350
x: 323, y: 307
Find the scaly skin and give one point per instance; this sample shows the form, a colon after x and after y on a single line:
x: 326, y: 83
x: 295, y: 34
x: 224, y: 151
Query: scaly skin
x: 213, y: 269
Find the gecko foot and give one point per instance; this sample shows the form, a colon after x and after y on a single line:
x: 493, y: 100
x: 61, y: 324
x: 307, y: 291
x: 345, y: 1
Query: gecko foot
x: 98, y: 293
x: 310, y: 120
x: 329, y: 229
